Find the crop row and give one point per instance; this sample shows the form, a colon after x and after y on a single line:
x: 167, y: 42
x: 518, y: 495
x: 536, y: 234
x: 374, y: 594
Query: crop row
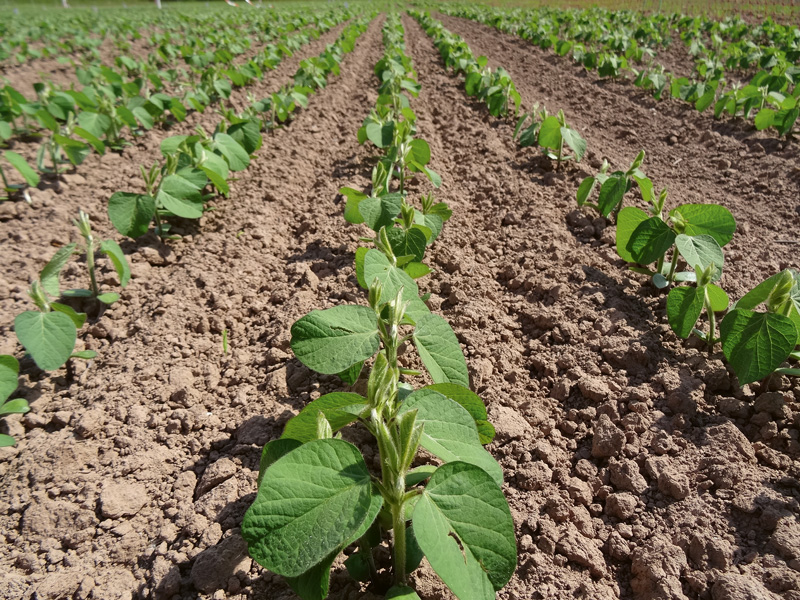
x: 605, y: 41
x: 175, y: 187
x: 75, y: 123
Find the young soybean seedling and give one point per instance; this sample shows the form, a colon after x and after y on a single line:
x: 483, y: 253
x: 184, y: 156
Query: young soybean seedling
x: 9, y: 369
x: 757, y: 343
x: 111, y: 249
x: 316, y: 495
x: 21, y: 165
x: 614, y: 186
x: 552, y: 134
x: 686, y: 303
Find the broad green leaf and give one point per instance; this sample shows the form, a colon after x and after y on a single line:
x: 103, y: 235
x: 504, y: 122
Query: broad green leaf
x: 764, y: 118
x: 419, y: 474
x: 273, y: 451
x: 550, y: 133
x: 329, y: 341
x: 351, y: 212
x: 339, y: 408
x: 350, y: 375
x: 20, y: 164
x: 84, y: 354
x: 380, y: 134
x: 49, y: 275
x: 628, y: 219
x: 14, y: 407
x: 756, y: 344
x: 6, y: 440
x: 684, y: 305
x: 645, y: 187
x: 111, y: 249
x: 76, y: 151
x: 440, y: 351
x: 416, y: 270
x: 420, y: 152
x: 707, y: 219
x: 9, y: 371
x: 48, y: 337
x: 171, y: 144
x: 433, y: 222
x: 435, y: 178
x: 759, y: 294
x: 404, y: 243
x: 611, y: 193
x: 472, y: 403
x: 380, y: 211
x: 78, y: 319
x: 143, y: 117
x: 650, y: 241
x: 393, y: 279
x: 311, y: 501
x: 449, y: 431
x: 93, y: 141
x: 108, y: 297
x: 247, y: 135
x: 180, y: 197
x: 717, y: 297
x: 701, y: 250
x: 237, y: 157
x: 95, y: 123
x: 574, y: 140
x: 131, y: 213
x: 463, y: 525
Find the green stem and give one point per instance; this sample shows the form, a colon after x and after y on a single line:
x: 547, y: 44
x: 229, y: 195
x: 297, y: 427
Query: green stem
x: 90, y: 265
x: 5, y: 181
x: 712, y: 324
x: 673, y: 265
x: 399, y: 534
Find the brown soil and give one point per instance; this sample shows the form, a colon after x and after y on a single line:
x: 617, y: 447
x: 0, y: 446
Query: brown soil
x: 635, y: 468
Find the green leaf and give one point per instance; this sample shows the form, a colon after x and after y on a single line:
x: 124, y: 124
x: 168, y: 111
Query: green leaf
x: 684, y: 305
x: 131, y: 213
x: 463, y: 525
x: 701, y: 250
x: 628, y: 219
x: 20, y: 164
x: 48, y: 337
x: 237, y: 157
x: 339, y: 408
x: 404, y: 243
x: 108, y: 297
x: 6, y: 440
x: 449, y: 431
x: 416, y: 270
x: 351, y: 211
x: 51, y: 272
x: 419, y: 474
x: 361, y: 254
x: 78, y: 319
x: 401, y: 592
x: 574, y: 140
x: 14, y: 407
x: 756, y: 344
x: 329, y: 341
x: 350, y: 375
x: 111, y: 249
x: 93, y: 141
x: 9, y: 371
x: 180, y: 197
x: 707, y: 219
x: 76, y: 151
x: 585, y: 190
x: 764, y: 118
x: 380, y: 134
x: 273, y: 451
x: 95, y: 123
x: 550, y: 133
x: 393, y: 279
x: 440, y: 351
x: 650, y: 241
x: 435, y: 178
x: 717, y: 298
x: 420, y: 152
x: 472, y: 403
x: 357, y: 566
x: 380, y: 211
x: 611, y: 193
x: 84, y: 354
x: 310, y: 502
x: 248, y: 135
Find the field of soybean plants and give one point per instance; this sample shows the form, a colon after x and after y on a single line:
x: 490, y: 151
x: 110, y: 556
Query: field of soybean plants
x: 363, y: 300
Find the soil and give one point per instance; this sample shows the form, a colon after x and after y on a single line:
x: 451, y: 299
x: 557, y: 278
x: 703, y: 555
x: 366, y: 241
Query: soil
x: 635, y: 466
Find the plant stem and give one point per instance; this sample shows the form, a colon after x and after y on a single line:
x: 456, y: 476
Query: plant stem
x: 399, y: 535
x: 673, y: 265
x: 712, y: 325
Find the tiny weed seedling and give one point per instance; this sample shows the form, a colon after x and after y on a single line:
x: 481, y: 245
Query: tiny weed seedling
x: 9, y: 370
x: 316, y: 495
